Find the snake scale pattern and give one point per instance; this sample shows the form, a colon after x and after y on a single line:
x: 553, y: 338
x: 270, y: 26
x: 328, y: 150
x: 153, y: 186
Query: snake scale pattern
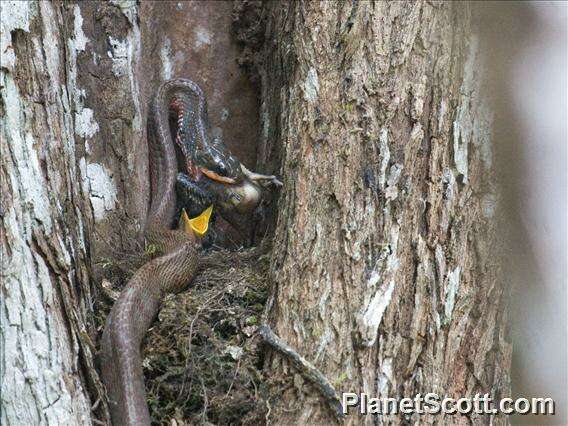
x: 171, y: 272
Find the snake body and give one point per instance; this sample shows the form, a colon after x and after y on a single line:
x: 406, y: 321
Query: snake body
x: 139, y: 302
x: 210, y: 174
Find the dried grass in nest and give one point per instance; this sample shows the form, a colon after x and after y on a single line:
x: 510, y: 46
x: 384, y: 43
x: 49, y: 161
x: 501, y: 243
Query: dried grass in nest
x: 202, y: 361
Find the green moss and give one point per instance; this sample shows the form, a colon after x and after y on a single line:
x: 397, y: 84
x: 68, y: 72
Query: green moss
x: 342, y: 377
x: 252, y: 320
x: 151, y: 249
x: 189, y: 375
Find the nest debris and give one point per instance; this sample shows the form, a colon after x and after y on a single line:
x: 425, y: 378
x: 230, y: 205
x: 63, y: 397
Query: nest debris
x: 202, y: 356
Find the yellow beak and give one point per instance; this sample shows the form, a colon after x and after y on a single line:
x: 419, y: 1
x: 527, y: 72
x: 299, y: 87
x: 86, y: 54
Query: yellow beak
x: 198, y: 225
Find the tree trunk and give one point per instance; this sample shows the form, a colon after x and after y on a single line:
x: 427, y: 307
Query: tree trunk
x: 76, y: 83
x: 47, y: 358
x: 384, y: 260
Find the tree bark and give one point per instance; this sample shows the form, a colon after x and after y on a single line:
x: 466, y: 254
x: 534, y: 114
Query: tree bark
x: 383, y: 264
x: 384, y: 260
x: 47, y: 357
x: 76, y: 83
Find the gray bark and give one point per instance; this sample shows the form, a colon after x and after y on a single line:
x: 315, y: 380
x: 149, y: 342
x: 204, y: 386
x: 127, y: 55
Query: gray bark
x: 76, y: 83
x: 385, y: 260
x: 45, y: 266
x: 383, y: 264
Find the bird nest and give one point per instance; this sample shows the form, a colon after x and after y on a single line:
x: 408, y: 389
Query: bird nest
x: 202, y: 356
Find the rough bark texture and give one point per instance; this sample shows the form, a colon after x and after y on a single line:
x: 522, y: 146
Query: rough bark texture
x: 384, y: 260
x: 76, y: 80
x: 383, y: 269
x: 47, y: 360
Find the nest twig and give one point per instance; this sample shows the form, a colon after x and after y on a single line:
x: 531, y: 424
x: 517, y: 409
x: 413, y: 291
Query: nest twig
x: 202, y: 360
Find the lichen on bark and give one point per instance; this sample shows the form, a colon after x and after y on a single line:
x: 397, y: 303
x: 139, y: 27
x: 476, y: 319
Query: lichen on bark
x: 383, y: 268
x: 45, y: 267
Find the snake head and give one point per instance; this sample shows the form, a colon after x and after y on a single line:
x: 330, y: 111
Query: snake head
x: 219, y: 166
x: 211, y: 174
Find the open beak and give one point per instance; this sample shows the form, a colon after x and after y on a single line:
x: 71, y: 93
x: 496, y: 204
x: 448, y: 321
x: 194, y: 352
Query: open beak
x: 198, y: 225
x: 214, y: 176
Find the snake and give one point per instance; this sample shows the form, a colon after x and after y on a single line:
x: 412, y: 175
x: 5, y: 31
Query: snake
x: 189, y: 170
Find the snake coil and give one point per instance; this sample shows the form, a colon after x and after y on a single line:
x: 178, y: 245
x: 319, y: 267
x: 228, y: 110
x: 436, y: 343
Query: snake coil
x: 139, y: 302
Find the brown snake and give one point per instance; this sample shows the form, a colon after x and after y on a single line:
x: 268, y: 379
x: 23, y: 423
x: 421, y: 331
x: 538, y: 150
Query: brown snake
x: 139, y: 302
x: 232, y: 188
